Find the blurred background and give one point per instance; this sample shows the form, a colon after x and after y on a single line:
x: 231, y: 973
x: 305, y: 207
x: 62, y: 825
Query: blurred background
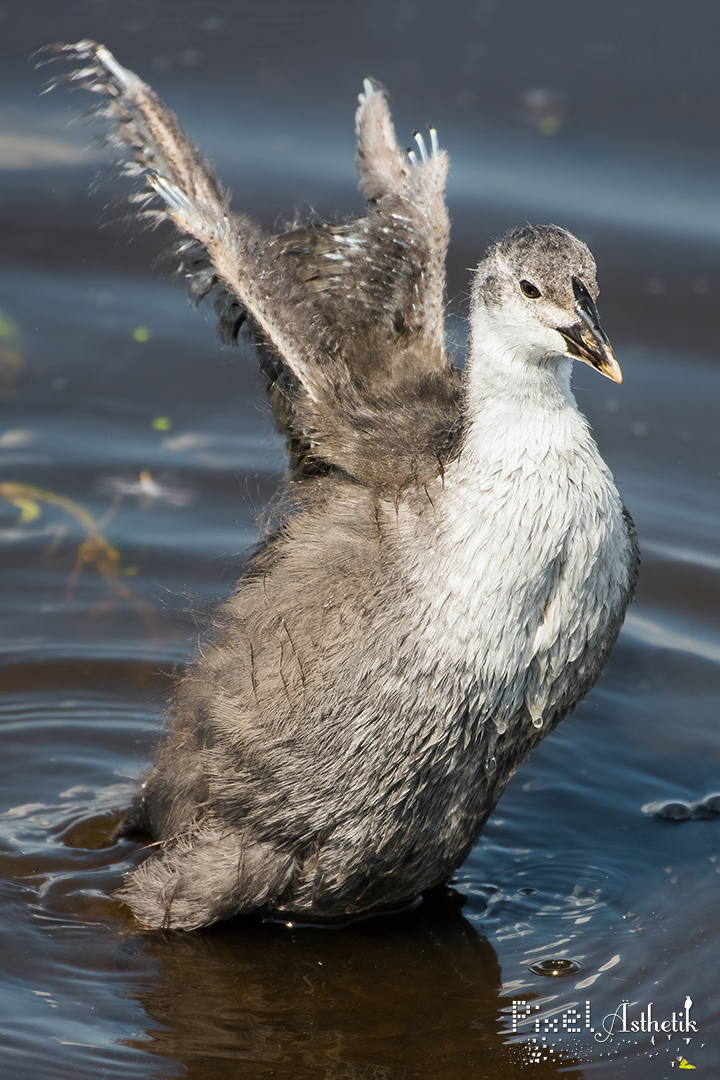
x: 136, y: 455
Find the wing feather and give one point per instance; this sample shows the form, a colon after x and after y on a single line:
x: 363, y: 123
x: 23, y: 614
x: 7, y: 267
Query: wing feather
x: 351, y: 315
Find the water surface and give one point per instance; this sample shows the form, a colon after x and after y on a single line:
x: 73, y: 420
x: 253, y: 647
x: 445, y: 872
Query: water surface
x: 117, y: 401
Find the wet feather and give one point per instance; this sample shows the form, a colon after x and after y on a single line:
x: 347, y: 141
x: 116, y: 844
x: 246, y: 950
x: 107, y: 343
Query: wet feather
x: 446, y: 574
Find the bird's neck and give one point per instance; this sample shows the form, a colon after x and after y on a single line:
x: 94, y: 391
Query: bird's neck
x: 520, y: 407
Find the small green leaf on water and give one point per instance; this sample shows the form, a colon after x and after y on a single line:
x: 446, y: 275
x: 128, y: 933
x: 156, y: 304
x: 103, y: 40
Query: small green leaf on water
x: 141, y: 333
x: 162, y: 423
x: 30, y: 511
x: 8, y: 328
x: 549, y: 125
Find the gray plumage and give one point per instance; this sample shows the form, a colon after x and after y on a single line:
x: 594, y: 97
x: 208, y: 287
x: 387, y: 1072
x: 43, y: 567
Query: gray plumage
x: 450, y: 567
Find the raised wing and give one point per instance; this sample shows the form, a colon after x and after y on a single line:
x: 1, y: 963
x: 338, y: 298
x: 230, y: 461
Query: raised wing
x: 351, y: 316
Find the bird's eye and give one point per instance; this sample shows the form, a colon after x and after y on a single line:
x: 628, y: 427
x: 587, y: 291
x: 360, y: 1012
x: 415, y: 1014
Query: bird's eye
x: 529, y: 289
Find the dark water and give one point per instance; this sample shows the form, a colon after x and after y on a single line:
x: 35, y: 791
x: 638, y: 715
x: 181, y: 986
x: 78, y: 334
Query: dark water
x: 118, y: 403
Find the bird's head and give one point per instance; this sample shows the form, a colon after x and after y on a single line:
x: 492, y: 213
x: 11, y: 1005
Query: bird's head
x: 535, y: 290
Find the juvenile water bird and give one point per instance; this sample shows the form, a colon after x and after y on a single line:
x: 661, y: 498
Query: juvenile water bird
x: 450, y: 566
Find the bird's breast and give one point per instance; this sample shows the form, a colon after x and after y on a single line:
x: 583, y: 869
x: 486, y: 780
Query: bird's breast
x: 526, y: 569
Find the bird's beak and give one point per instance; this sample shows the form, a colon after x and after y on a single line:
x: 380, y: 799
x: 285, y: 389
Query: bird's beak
x: 586, y: 340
